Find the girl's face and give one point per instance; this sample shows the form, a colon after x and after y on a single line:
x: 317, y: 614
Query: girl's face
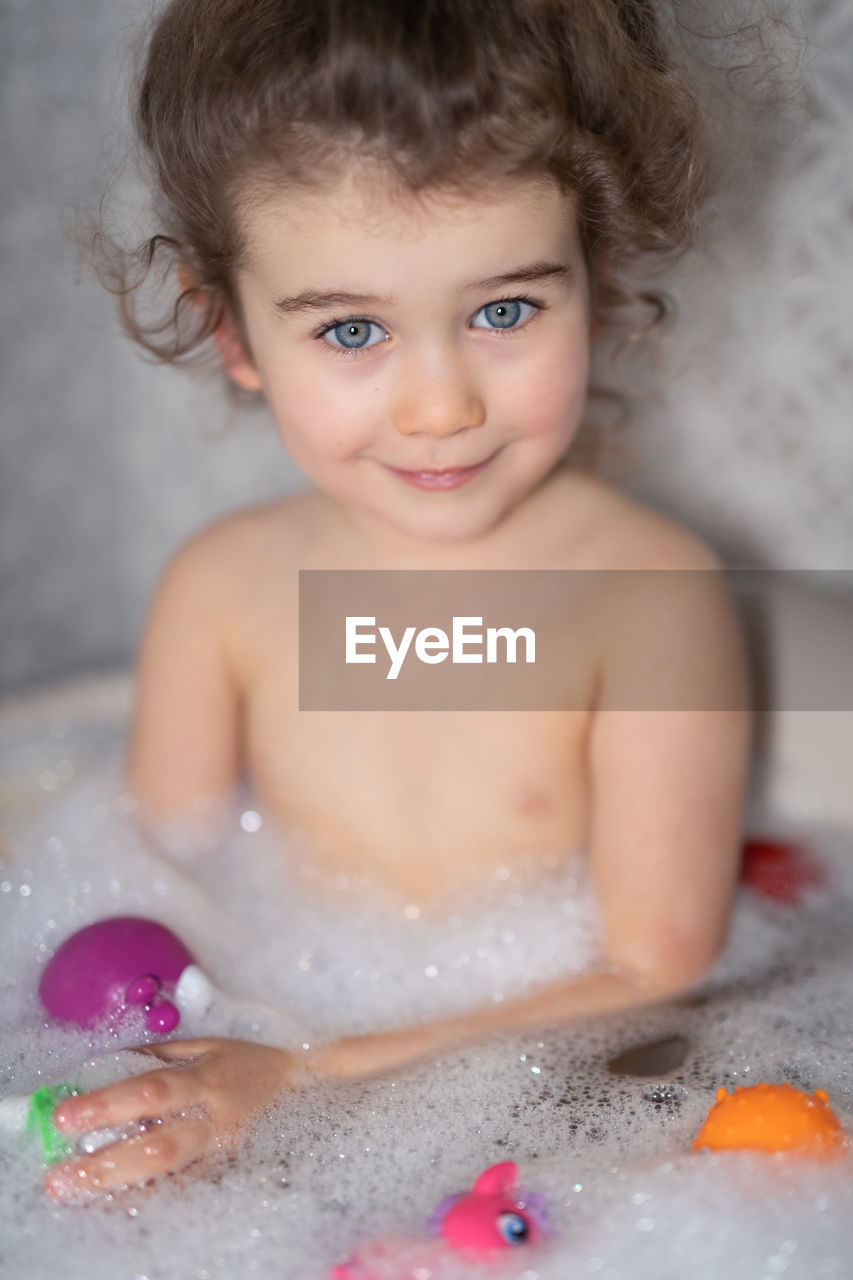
x: 425, y: 360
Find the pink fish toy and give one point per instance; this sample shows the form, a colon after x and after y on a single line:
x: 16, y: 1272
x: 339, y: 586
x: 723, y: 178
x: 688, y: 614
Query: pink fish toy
x: 480, y: 1223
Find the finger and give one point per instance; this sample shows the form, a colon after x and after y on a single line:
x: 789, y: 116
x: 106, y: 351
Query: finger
x: 165, y: 1148
x: 175, y: 1050
x: 155, y: 1093
x: 180, y: 1050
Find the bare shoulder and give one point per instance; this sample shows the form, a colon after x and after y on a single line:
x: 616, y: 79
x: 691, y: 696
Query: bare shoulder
x: 669, y: 631
x: 662, y: 592
x: 244, y: 541
x: 610, y: 530
x: 220, y: 582
x: 194, y: 662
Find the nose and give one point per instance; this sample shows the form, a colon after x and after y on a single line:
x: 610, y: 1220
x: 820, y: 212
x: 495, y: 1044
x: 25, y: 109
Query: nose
x: 437, y: 396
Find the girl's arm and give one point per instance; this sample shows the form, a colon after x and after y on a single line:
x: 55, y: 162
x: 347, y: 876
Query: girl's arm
x: 183, y: 750
x: 665, y: 855
x: 668, y: 760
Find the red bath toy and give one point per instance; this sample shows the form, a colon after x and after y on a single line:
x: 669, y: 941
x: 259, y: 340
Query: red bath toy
x: 481, y: 1222
x: 102, y: 971
x: 782, y: 872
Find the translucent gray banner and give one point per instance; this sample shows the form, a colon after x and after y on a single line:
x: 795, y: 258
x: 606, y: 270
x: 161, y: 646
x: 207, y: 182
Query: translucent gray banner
x: 572, y: 640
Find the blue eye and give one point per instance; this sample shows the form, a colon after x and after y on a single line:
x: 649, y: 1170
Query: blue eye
x: 513, y: 1228
x: 507, y: 313
x: 354, y: 335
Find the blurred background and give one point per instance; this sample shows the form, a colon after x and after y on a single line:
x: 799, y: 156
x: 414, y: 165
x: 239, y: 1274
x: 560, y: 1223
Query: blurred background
x: 743, y: 430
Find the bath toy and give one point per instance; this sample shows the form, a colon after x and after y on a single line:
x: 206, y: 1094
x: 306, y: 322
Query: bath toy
x: 492, y: 1216
x: 781, y: 872
x: 101, y: 972
x: 34, y: 1115
x: 772, y: 1117
x: 487, y: 1217
x: 31, y: 1115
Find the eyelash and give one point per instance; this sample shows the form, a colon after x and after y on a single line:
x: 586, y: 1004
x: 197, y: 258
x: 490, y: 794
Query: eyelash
x: 349, y: 353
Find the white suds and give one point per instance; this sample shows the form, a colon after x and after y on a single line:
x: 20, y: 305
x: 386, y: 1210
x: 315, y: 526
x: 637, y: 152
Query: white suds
x: 336, y: 1165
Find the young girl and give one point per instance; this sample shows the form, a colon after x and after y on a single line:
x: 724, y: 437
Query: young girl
x: 402, y: 225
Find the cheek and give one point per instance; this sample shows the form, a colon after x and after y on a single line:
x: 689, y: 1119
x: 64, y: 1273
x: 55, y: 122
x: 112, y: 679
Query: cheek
x: 319, y: 416
x: 552, y: 395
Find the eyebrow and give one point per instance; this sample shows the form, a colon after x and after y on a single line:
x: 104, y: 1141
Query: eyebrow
x: 314, y: 300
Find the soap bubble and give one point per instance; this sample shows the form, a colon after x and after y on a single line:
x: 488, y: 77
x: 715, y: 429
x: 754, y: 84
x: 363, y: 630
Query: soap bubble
x: 340, y: 1163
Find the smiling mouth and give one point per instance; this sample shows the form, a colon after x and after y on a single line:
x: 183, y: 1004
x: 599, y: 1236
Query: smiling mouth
x: 446, y: 478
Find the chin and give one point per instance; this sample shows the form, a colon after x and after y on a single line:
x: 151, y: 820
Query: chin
x: 446, y: 523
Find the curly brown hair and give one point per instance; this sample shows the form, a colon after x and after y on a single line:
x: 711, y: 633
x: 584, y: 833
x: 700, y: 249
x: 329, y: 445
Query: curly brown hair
x: 233, y: 94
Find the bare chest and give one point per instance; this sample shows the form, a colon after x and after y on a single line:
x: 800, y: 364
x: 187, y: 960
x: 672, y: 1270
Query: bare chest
x: 425, y: 800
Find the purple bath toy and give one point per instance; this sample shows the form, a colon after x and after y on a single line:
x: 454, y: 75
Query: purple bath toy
x: 105, y: 969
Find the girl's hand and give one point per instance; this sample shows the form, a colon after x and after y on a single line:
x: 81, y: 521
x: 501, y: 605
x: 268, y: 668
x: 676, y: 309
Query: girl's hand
x: 194, y: 1108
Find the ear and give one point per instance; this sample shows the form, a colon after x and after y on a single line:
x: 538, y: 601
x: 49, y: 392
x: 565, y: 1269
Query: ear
x: 232, y: 352
x: 238, y: 365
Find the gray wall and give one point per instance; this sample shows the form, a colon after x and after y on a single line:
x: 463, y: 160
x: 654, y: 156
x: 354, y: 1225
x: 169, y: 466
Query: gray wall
x: 107, y: 462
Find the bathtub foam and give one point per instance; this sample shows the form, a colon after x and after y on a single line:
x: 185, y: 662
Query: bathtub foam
x: 338, y: 1163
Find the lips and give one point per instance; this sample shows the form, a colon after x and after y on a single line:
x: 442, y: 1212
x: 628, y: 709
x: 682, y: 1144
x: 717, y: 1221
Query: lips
x: 451, y: 478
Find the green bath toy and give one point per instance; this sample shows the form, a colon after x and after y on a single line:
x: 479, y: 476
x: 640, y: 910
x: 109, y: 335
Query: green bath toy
x: 34, y: 1115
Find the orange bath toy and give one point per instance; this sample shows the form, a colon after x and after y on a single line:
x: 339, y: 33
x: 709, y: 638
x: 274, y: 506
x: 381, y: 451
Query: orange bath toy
x: 772, y: 1117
